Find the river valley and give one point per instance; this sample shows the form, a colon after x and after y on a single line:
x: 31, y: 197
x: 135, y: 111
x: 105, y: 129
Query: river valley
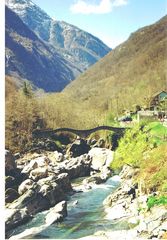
x: 75, y: 196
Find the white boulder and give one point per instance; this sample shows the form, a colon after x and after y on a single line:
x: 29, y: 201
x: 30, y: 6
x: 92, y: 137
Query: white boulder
x: 100, y: 157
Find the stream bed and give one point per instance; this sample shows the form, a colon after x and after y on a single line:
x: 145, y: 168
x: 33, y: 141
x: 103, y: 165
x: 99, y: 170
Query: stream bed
x: 84, y: 218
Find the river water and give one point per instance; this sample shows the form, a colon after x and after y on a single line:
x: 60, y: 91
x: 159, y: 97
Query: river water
x: 85, y: 218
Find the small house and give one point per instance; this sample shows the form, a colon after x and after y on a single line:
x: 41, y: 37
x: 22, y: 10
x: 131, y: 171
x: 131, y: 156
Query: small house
x: 156, y: 99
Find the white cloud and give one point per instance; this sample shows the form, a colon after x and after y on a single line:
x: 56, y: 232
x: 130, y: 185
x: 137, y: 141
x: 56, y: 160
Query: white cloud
x: 105, y: 6
x: 118, y: 3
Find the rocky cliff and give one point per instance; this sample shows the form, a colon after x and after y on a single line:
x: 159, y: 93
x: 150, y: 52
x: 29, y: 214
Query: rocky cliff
x: 30, y: 58
x: 79, y: 48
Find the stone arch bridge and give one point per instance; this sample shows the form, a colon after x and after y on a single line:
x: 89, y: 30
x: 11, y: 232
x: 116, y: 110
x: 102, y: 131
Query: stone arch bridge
x: 44, y: 133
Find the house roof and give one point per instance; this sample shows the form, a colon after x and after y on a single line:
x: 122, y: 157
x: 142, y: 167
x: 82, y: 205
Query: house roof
x: 158, y: 93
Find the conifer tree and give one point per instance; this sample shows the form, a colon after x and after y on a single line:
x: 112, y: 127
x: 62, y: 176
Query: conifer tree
x: 27, y: 90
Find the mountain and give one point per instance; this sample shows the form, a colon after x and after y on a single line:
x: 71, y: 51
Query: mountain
x: 129, y: 75
x: 30, y: 58
x: 74, y: 44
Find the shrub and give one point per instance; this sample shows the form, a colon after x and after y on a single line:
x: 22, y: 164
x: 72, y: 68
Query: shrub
x: 153, y: 169
x: 21, y: 117
x: 154, y: 200
x: 131, y: 148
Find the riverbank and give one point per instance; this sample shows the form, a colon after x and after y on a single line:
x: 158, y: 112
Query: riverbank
x: 128, y: 204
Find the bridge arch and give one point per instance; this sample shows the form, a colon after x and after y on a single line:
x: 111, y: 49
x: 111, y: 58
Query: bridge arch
x: 82, y: 133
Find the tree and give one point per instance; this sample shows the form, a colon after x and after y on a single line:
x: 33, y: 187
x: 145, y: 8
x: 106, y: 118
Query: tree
x: 27, y: 90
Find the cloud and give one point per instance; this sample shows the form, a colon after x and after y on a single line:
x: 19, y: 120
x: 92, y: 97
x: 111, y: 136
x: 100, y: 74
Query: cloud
x: 105, y: 6
x: 118, y: 3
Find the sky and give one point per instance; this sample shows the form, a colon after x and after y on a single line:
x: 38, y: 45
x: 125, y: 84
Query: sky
x: 110, y: 20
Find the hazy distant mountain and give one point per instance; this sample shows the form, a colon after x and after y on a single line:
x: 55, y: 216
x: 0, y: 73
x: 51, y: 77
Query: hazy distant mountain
x: 129, y: 74
x: 76, y: 45
x: 28, y: 57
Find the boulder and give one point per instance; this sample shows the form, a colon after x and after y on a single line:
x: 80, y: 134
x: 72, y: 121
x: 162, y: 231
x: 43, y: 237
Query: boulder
x: 38, y: 173
x: 59, y: 157
x: 41, y: 161
x: 64, y: 182
x: 100, y: 157
x: 98, y: 178
x: 10, y: 164
x: 31, y: 199
x: 47, y: 191
x: 29, y: 233
x: 54, y: 188
x: 26, y: 185
x: 10, y: 195
x: 78, y: 148
x: 9, y: 181
x: 128, y: 172
x: 53, y: 193
x: 15, y: 217
x: 116, y: 212
x: 30, y: 166
x: 47, y: 180
x: 14, y: 180
x: 106, y: 173
x: 120, y: 194
x: 57, y: 213
x: 78, y: 167
x: 17, y: 155
x: 154, y: 222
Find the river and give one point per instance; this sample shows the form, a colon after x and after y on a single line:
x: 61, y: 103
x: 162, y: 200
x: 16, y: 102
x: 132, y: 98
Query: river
x: 84, y: 218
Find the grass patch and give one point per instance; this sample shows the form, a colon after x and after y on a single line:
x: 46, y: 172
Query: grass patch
x: 158, y: 132
x: 152, y: 201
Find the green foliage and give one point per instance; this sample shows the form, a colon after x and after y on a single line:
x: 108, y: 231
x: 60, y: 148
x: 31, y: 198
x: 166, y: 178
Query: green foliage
x: 153, y: 200
x: 157, y: 128
x: 58, y: 144
x: 157, y: 131
x: 131, y: 148
x: 27, y: 89
x: 138, y: 148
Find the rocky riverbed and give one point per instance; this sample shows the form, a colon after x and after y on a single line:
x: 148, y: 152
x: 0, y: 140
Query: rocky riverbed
x: 129, y: 204
x: 37, y: 182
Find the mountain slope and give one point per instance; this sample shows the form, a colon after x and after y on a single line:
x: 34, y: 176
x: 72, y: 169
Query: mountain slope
x: 28, y: 57
x: 74, y: 44
x: 128, y: 75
